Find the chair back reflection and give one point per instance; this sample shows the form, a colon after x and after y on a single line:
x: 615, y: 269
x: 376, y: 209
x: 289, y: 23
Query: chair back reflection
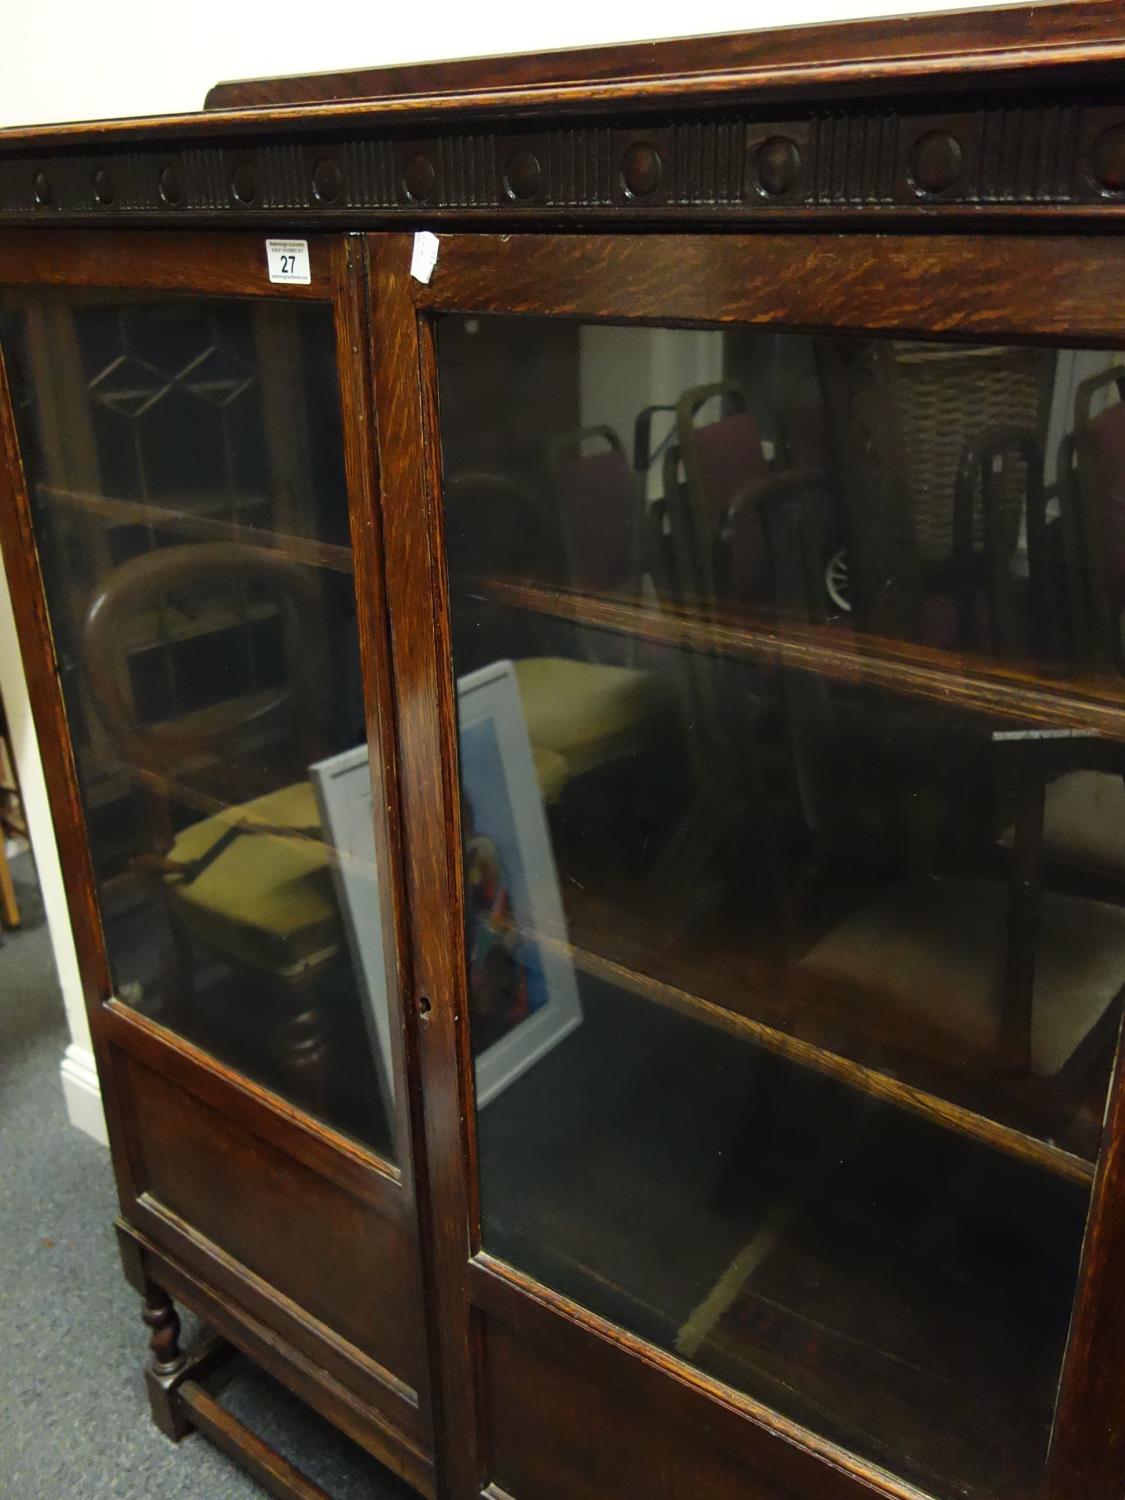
x: 973, y: 965
x: 1008, y: 616
x: 582, y: 713
x: 172, y: 593
x: 706, y: 469
x: 599, y: 509
x: 600, y: 513
x: 251, y: 880
x: 1091, y: 482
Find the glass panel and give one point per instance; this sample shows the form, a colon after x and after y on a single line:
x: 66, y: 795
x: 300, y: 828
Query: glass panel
x: 793, y: 806
x: 185, y: 469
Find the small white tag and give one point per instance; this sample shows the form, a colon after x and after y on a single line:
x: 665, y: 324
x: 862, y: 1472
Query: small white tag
x: 288, y: 260
x: 424, y: 259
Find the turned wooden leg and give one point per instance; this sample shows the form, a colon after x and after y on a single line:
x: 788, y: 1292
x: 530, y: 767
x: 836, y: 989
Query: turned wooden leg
x: 1025, y: 894
x: 301, y: 1049
x: 172, y: 1004
x: 167, y: 1365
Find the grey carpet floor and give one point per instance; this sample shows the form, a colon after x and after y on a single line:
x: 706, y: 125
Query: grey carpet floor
x: 73, y: 1413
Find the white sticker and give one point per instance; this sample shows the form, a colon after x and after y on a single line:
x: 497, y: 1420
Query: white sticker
x: 288, y: 260
x: 424, y: 259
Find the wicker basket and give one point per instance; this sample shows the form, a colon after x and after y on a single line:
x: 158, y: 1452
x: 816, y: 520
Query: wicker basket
x: 945, y: 398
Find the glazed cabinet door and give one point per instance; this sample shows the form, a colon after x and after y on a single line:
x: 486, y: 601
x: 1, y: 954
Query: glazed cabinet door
x: 191, y: 540
x: 761, y: 598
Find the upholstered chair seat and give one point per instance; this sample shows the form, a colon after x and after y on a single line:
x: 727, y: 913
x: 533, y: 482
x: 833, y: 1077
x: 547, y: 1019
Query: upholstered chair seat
x: 932, y: 951
x: 1084, y: 821
x: 588, y: 713
x: 268, y: 898
x: 551, y: 772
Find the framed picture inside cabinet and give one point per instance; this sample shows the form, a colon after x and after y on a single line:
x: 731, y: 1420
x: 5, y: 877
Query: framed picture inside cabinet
x: 521, y: 974
x: 523, y: 978
x: 343, y: 792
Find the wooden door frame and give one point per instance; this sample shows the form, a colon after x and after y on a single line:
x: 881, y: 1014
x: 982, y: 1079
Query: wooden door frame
x: 968, y: 287
x: 218, y: 264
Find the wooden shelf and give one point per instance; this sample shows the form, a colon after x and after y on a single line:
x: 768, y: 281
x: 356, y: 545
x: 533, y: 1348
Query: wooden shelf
x: 856, y: 1075
x: 202, y: 528
x: 595, y: 928
x: 954, y: 1090
x: 970, y: 684
x: 869, y: 1080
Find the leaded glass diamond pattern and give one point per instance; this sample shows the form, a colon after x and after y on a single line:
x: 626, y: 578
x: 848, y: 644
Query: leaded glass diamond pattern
x: 131, y: 386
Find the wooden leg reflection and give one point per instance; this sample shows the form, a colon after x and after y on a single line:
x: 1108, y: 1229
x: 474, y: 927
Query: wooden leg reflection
x: 302, y: 1053
x: 758, y: 1161
x: 718, y: 831
x: 679, y: 871
x: 177, y: 975
x: 1023, y: 918
x: 177, y: 969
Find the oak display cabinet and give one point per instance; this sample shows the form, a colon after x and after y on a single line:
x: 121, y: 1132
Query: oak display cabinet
x: 573, y: 607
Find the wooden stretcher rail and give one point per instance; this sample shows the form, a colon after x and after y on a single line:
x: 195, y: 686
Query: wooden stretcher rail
x: 274, y: 1473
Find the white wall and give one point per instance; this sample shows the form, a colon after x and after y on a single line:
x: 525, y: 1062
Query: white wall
x: 69, y: 60
x: 80, y: 1083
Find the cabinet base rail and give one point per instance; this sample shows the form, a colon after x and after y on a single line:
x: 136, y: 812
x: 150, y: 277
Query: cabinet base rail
x: 273, y: 1472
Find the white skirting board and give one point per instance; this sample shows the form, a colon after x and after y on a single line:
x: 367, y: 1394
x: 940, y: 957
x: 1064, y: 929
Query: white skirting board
x: 82, y: 1092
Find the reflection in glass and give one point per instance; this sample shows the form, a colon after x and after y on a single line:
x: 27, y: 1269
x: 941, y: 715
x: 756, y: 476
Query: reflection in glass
x: 186, y: 480
x: 816, y: 644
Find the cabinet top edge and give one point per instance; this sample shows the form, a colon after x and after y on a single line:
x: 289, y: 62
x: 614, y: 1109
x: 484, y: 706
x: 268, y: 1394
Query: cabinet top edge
x: 961, y: 41
x: 1019, y: 44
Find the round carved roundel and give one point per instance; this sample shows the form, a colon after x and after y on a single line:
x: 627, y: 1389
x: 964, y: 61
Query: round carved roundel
x: 935, y: 161
x: 171, y: 190
x: 777, y: 163
x: 641, y: 169
x: 1107, y: 159
x: 522, y: 174
x: 327, y: 181
x: 242, y: 183
x: 418, y: 178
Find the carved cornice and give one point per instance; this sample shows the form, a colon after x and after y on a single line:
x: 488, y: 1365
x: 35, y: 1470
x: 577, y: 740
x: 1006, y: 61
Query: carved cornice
x: 1065, y: 153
